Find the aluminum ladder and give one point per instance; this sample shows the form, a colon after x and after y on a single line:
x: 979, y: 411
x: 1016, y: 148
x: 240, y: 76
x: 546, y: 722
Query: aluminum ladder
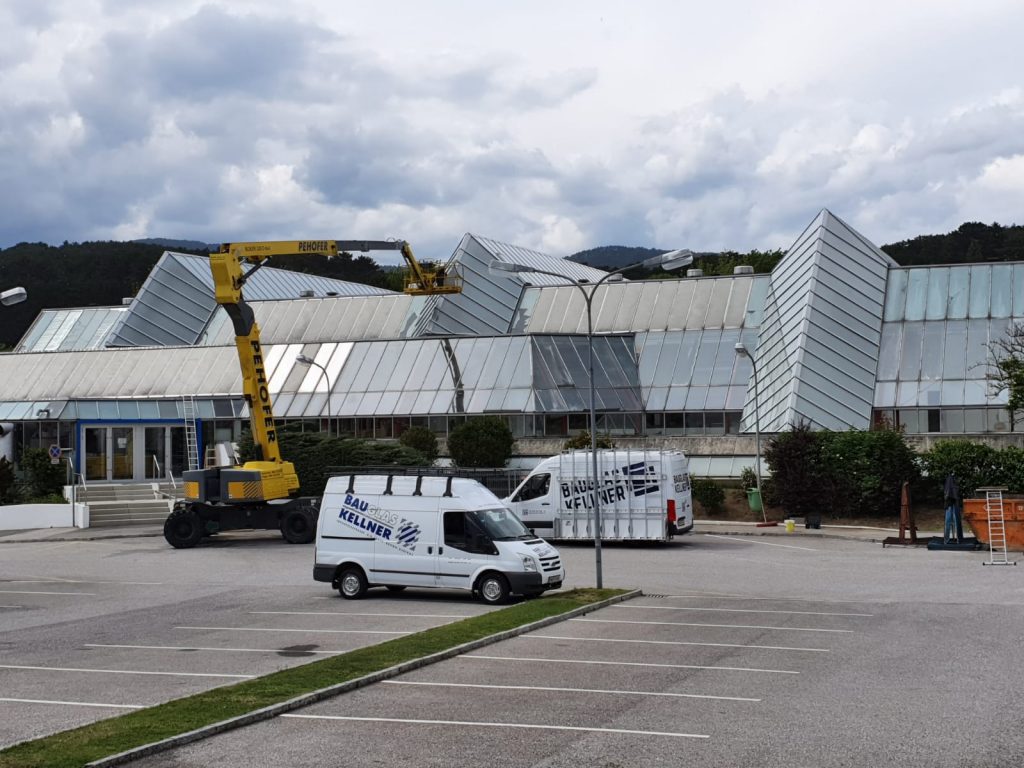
x: 996, y: 527
x: 188, y: 409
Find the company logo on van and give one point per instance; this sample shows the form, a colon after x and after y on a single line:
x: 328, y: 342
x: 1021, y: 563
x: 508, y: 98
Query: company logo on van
x: 637, y: 479
x: 408, y: 535
x: 387, y: 527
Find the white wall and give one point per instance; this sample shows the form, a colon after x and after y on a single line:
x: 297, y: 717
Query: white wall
x: 22, y: 516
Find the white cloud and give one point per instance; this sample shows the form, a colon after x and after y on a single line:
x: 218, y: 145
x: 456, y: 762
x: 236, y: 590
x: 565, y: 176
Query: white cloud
x: 556, y: 126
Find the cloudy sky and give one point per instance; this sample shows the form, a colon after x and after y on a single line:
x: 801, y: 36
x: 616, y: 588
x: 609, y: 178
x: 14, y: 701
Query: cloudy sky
x: 552, y: 125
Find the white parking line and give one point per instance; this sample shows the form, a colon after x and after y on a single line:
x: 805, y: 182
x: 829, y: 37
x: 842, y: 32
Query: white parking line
x: 196, y: 648
x: 629, y: 664
x: 740, y: 610
x: 11, y: 606
x: 74, y: 703
x: 82, y: 581
x: 326, y: 631
x: 674, y: 642
x: 123, y: 672
x: 498, y: 725
x: 23, y: 592
x: 722, y: 626
x: 773, y: 599
x: 571, y: 690
x: 344, y: 613
x: 755, y: 541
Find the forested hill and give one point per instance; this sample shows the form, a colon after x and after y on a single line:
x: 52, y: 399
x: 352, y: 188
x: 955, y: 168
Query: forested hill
x: 971, y: 242
x: 104, y: 273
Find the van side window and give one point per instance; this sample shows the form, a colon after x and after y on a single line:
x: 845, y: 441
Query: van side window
x: 534, y: 488
x: 462, y: 532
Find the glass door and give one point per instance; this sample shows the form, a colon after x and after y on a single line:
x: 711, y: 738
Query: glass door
x: 154, y: 453
x: 122, y: 453
x: 178, y: 458
x: 95, y: 453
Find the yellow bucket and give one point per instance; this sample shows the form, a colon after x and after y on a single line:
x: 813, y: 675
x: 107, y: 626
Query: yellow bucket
x: 790, y: 526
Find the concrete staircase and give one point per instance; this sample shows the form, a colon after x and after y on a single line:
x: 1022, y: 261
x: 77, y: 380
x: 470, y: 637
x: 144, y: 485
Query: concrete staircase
x: 117, y: 504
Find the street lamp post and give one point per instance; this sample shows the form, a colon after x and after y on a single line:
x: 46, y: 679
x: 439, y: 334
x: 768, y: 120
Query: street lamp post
x: 667, y: 261
x: 305, y: 360
x: 742, y: 351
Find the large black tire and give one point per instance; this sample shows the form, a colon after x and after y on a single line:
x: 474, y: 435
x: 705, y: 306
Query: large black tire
x: 183, y: 528
x: 352, y: 583
x: 493, y: 588
x: 298, y: 527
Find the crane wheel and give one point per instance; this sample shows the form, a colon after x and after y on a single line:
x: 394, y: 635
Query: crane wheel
x: 183, y: 528
x: 298, y: 527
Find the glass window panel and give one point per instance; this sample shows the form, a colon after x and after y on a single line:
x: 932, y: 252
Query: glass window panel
x: 998, y: 420
x: 928, y: 394
x: 495, y: 400
x: 951, y: 420
x: 470, y: 355
x: 910, y: 360
x: 1002, y: 292
x: 666, y: 372
x: 1018, y: 290
x: 649, y: 346
x: 975, y: 418
x: 406, y: 401
x: 404, y: 366
x: 889, y: 351
x: 655, y: 398
x: 975, y: 392
x: 906, y: 394
x: 910, y: 420
x: 705, y: 362
x: 622, y: 351
x: 714, y: 423
x: 932, y: 349
x: 222, y: 409
x: 952, y: 392
x: 917, y: 294
x: 424, y: 401
x: 725, y: 360
x: 676, y: 400
x: 108, y: 410
x: 496, y: 353
x: 126, y: 409
x: 695, y: 398
x: 885, y: 394
x: 149, y: 410
x: 959, y: 292
x: 388, y: 403
x: 977, y: 349
x: 204, y: 409
x: 895, y: 294
x: 736, y: 398
x: 954, y: 359
x: 938, y: 293
x: 699, y: 306
x: 693, y: 424
x: 981, y: 280
x: 387, y: 354
x: 716, y: 398
x: 517, y: 400
x: 444, y: 402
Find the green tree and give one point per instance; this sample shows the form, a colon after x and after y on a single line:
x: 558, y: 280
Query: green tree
x: 582, y: 442
x: 1006, y: 369
x: 44, y: 478
x: 7, y: 487
x: 420, y: 439
x: 484, y: 441
x: 708, y: 494
x: 797, y: 471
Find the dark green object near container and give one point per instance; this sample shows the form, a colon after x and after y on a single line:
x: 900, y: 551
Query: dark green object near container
x: 754, y: 499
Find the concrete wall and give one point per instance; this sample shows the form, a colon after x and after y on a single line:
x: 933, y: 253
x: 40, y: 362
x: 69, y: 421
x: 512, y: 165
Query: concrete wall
x: 23, y: 516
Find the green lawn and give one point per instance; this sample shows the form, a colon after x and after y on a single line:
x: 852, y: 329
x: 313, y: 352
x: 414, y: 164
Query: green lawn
x: 70, y: 749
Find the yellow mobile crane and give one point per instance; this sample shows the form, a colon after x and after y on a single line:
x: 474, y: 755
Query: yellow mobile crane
x: 264, y: 493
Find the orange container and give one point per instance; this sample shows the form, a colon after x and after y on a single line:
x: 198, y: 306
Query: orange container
x: 1013, y: 513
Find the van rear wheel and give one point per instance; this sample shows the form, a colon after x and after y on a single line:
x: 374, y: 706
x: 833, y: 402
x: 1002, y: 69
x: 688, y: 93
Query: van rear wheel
x: 352, y: 584
x: 493, y: 588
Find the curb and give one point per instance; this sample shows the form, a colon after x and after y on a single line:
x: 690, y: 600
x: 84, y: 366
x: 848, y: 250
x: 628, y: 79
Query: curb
x: 79, y: 538
x: 313, y: 697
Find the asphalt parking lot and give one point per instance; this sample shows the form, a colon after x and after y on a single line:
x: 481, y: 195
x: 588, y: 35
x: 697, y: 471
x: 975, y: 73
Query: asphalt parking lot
x: 745, y: 651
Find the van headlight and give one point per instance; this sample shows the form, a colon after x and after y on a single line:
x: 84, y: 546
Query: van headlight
x: 529, y: 564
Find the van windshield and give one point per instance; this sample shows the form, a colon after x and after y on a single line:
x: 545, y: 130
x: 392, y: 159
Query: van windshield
x: 501, y: 524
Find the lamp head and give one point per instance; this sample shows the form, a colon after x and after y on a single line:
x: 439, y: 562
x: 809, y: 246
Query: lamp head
x: 497, y: 266
x: 741, y: 350
x: 671, y: 260
x: 13, y: 296
x: 303, y: 359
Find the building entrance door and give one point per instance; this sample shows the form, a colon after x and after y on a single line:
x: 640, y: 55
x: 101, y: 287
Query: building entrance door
x: 133, y: 452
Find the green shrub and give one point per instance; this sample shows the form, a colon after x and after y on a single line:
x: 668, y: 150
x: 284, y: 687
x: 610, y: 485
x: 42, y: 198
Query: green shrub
x: 973, y: 464
x: 708, y: 494
x: 798, y: 475
x: 43, y: 478
x: 420, y: 439
x: 8, y: 492
x: 481, y: 442
x: 748, y: 477
x: 582, y: 442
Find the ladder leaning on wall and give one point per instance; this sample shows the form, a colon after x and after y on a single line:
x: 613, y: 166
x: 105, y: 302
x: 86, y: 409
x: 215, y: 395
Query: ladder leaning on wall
x: 188, y: 409
x: 996, y: 513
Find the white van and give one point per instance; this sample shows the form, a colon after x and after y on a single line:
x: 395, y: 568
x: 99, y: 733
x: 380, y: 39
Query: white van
x: 399, y: 531
x: 644, y: 496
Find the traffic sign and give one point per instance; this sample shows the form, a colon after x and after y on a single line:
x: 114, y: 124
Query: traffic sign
x: 55, y: 454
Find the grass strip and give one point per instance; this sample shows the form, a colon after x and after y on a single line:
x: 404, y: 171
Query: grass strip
x: 76, y: 747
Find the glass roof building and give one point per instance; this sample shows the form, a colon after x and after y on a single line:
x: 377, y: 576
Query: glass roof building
x: 842, y: 337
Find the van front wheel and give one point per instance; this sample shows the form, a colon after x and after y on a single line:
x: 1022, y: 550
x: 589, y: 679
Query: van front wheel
x: 352, y: 584
x: 493, y: 588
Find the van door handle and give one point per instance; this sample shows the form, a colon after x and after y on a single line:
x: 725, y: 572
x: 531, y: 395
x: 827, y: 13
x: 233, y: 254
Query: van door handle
x: 430, y: 550
x: 440, y: 550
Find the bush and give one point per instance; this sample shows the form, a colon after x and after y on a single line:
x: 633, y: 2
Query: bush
x: 420, y: 439
x: 481, y: 442
x: 43, y: 478
x: 708, y: 494
x: 797, y: 472
x: 582, y: 442
x: 748, y: 477
x: 315, y: 453
x: 8, y: 492
x: 974, y: 465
